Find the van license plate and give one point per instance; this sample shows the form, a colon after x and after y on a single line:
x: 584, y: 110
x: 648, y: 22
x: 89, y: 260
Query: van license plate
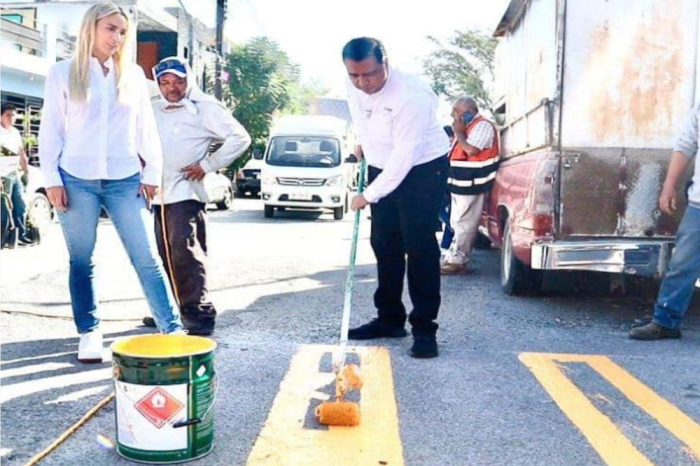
x: 300, y: 196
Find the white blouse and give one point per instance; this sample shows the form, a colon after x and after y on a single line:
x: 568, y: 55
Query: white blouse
x: 103, y: 138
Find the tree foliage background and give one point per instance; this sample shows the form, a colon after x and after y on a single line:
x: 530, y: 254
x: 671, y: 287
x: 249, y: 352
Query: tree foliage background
x: 263, y: 83
x: 465, y: 66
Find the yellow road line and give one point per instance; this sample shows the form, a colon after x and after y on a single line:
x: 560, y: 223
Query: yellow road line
x: 284, y: 441
x: 582, y: 413
x: 599, y: 430
x: 668, y: 415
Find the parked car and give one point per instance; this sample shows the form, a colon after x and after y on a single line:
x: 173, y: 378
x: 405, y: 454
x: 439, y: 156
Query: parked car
x: 220, y: 190
x: 593, y: 100
x: 248, y: 177
x: 306, y: 165
x: 40, y: 213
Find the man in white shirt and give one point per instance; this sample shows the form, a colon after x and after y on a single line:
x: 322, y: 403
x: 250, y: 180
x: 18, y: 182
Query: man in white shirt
x: 405, y: 147
x: 189, y: 121
x: 12, y: 146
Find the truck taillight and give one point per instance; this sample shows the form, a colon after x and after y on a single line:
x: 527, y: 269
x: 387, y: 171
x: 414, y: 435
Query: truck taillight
x: 543, y: 224
x: 542, y: 200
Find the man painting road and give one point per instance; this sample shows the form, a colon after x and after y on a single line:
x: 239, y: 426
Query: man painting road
x: 405, y: 147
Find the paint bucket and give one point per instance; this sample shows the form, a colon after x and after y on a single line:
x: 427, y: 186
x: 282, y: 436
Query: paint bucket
x: 165, y: 393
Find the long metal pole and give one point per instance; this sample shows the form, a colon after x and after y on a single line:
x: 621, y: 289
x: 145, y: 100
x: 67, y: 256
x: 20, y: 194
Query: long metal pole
x: 220, y: 22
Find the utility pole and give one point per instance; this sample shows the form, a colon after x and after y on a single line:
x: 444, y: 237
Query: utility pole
x: 221, y: 8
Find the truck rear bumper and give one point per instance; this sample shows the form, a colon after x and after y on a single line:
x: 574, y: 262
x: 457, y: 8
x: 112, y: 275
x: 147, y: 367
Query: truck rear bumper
x: 642, y: 258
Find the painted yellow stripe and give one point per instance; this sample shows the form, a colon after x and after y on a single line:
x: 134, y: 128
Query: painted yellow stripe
x: 611, y: 444
x: 668, y: 415
x: 285, y: 442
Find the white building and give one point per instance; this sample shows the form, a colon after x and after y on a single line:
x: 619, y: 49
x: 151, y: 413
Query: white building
x: 34, y: 34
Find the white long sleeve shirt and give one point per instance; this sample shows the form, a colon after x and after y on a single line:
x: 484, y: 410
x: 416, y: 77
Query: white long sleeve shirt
x: 688, y: 143
x: 397, y: 128
x: 102, y: 138
x: 186, y: 138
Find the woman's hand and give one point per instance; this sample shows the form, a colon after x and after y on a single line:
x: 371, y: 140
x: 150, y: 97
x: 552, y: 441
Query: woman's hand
x: 58, y: 197
x: 148, y: 191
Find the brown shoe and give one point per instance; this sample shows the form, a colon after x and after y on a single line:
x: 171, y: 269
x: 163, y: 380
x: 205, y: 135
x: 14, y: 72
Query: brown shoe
x: 652, y: 331
x: 453, y: 269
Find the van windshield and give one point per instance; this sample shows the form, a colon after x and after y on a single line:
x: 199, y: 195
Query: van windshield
x: 296, y: 151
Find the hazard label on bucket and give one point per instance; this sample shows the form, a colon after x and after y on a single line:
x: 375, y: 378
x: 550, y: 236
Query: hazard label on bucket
x: 146, y: 414
x: 158, y: 407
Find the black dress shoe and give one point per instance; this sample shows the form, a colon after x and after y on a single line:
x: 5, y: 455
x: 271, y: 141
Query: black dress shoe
x: 193, y: 327
x: 376, y: 329
x: 197, y: 328
x: 424, y: 346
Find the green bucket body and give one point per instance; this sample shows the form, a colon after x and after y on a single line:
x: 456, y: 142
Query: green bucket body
x: 181, y: 386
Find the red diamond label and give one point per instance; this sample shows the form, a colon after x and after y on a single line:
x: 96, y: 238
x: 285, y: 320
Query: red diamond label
x: 159, y: 407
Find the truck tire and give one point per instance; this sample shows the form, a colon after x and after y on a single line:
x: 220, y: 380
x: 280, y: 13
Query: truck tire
x: 269, y: 211
x: 338, y: 212
x: 517, y: 279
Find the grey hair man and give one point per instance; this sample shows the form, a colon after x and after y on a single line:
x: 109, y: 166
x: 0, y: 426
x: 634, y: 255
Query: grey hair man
x: 474, y: 161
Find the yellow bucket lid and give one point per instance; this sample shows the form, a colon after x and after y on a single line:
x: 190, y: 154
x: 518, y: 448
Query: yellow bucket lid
x: 163, y: 346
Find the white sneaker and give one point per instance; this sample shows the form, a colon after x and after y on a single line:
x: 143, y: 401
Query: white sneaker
x: 178, y: 332
x: 90, y: 349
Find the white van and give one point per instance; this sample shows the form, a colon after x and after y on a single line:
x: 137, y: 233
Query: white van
x: 308, y: 165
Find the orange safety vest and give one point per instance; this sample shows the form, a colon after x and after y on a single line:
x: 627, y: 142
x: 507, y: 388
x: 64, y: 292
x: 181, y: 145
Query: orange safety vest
x: 458, y: 152
x: 473, y: 174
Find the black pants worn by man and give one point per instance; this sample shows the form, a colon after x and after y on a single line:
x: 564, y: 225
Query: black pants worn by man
x: 185, y: 226
x: 403, y: 240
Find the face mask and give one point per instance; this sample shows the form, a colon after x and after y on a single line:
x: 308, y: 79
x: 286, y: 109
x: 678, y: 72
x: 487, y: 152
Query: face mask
x: 468, y: 118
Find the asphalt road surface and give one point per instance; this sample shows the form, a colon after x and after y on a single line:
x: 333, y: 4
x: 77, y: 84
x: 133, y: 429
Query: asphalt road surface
x: 550, y: 380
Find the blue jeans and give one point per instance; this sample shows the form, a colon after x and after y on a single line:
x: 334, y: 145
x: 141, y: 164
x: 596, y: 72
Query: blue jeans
x: 679, y: 285
x: 134, y: 224
x: 19, y: 208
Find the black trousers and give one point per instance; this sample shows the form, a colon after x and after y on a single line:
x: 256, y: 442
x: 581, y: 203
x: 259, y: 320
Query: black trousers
x: 185, y: 228
x: 403, y: 238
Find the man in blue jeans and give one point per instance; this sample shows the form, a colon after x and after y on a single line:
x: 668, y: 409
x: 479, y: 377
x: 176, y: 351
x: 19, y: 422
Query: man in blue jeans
x: 11, y: 144
x: 683, y: 271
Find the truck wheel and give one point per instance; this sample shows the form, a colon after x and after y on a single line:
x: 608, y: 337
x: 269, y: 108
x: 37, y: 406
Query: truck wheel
x: 517, y: 279
x: 338, y: 212
x: 269, y: 211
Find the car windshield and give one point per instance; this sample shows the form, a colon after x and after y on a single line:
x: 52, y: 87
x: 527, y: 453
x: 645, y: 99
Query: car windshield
x: 295, y: 151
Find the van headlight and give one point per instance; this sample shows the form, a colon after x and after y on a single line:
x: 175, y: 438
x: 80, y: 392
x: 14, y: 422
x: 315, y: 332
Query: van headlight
x: 269, y: 179
x: 334, y: 181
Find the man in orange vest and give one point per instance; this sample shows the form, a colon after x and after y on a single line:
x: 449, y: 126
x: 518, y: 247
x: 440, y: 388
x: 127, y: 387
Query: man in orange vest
x: 474, y: 160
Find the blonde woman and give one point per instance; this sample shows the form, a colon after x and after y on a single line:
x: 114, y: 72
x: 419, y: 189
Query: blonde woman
x: 97, y: 128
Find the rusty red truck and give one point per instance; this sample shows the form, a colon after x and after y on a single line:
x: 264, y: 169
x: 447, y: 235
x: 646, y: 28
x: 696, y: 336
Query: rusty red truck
x: 593, y: 95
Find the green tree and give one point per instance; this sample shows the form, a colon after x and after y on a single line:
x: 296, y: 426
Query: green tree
x: 263, y: 82
x: 464, y: 66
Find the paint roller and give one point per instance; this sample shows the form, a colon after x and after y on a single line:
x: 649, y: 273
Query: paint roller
x: 348, y: 377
